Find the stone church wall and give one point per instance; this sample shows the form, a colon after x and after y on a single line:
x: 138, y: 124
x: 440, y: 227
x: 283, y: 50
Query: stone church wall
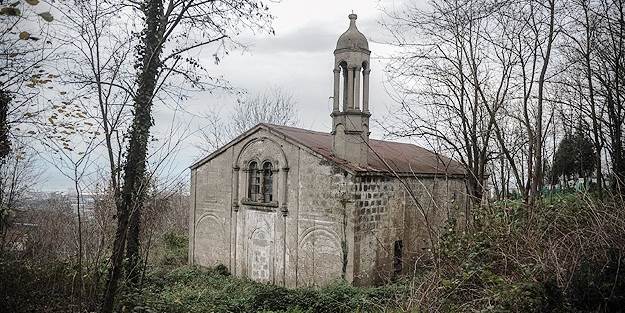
x: 325, y: 223
x: 390, y: 232
x: 307, y: 247
x: 211, y: 190
x: 325, y: 235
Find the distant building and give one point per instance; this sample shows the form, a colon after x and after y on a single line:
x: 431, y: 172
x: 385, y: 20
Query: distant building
x: 87, y: 203
x: 296, y: 207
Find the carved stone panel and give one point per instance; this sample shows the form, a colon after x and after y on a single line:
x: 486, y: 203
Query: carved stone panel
x: 319, y: 258
x: 260, y: 245
x: 212, y: 246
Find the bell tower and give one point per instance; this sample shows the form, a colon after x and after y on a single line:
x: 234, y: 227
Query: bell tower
x: 350, y: 111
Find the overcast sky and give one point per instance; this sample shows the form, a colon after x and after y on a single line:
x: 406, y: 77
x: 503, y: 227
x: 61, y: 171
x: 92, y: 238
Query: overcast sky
x: 299, y: 58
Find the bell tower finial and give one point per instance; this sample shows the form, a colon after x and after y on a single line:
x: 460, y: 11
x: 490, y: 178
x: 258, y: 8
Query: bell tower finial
x: 350, y: 112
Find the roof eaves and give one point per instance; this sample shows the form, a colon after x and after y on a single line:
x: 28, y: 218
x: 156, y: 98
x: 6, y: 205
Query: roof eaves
x: 276, y: 131
x: 285, y: 135
x: 226, y: 146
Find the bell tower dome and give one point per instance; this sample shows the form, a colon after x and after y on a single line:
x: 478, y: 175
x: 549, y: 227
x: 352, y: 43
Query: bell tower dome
x: 350, y: 111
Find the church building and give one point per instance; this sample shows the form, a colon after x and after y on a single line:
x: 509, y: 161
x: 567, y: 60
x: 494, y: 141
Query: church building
x: 296, y: 207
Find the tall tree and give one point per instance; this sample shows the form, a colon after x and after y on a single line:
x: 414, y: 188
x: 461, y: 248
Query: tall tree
x: 545, y: 53
x: 610, y: 73
x: 472, y: 78
x: 5, y: 141
x: 574, y: 156
x: 452, y: 74
x: 582, y: 36
x: 186, y: 25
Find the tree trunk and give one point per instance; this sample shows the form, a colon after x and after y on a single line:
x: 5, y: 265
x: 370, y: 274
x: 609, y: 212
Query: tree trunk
x: 591, y: 95
x: 131, y: 196
x: 537, y: 178
x: 81, y: 280
x: 132, y: 245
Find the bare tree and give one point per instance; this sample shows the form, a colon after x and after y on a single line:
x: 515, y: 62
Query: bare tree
x: 18, y: 175
x: 577, y: 83
x: 25, y: 49
x: 166, y: 23
x: 530, y: 28
x: 273, y: 106
x: 610, y: 73
x: 545, y: 32
x: 594, y: 79
x: 452, y: 76
x: 72, y: 155
x: 472, y: 80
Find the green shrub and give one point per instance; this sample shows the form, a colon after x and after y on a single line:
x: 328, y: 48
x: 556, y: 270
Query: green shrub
x: 176, y: 249
x: 599, y: 285
x: 564, y: 255
x: 193, y: 289
x: 30, y: 286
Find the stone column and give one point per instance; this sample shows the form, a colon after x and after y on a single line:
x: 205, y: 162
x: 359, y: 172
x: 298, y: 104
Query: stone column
x: 344, y: 69
x: 337, y: 80
x: 235, y: 187
x: 234, y: 218
x: 283, y: 192
x: 285, y: 211
x: 192, y: 216
x: 365, y: 90
x: 357, y: 88
x: 350, y: 88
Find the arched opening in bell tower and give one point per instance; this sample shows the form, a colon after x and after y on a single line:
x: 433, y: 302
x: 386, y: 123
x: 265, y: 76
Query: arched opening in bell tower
x: 343, y: 85
x: 364, y: 91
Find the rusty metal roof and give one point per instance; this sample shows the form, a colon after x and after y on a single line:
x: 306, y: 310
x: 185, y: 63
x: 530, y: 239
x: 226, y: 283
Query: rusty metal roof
x: 400, y: 157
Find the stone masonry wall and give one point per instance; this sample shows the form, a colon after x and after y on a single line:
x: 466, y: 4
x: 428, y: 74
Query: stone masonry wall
x: 325, y: 223
x: 388, y: 219
x: 307, y: 247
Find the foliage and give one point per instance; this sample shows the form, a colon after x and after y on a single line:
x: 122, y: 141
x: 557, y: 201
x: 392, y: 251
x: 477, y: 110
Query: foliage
x: 192, y: 289
x: 563, y: 255
x: 574, y: 156
x: 25, y: 49
x: 32, y: 286
x: 176, y: 248
x: 599, y: 284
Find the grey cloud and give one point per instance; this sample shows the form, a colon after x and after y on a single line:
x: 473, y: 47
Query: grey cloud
x: 309, y: 38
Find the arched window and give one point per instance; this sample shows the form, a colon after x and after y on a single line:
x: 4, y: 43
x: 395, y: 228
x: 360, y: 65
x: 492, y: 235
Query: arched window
x: 343, y: 91
x: 267, y: 182
x: 254, y: 182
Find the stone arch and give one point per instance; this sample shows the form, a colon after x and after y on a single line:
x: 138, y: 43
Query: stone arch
x: 339, y: 128
x: 318, y: 229
x: 211, y: 238
x: 248, y: 162
x: 284, y: 160
x: 206, y: 216
x: 259, y: 255
x: 320, y: 257
x: 272, y: 161
x: 261, y: 150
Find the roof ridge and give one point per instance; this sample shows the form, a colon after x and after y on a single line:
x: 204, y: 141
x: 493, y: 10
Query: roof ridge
x: 402, y: 157
x: 329, y: 134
